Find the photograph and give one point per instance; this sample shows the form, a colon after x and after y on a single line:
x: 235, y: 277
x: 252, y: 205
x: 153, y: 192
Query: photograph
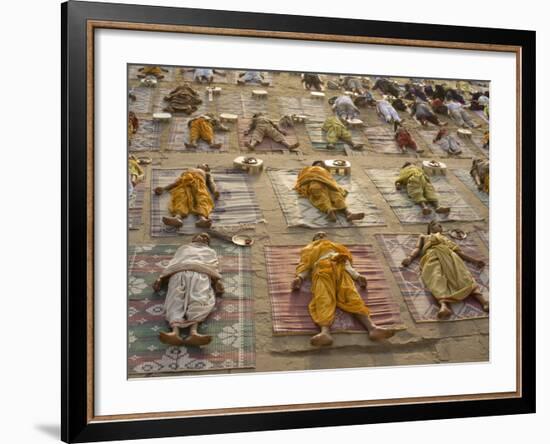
x: 282, y: 221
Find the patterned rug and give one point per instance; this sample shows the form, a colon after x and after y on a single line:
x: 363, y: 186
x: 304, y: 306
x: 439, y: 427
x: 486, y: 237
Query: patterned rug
x: 267, y: 145
x: 237, y: 205
x: 135, y: 206
x: 226, y: 102
x: 147, y: 137
x: 428, y: 136
x: 314, y: 109
x: 179, y: 134
x: 144, y: 100
x: 382, y: 140
x: 231, y: 323
x: 299, y: 212
x: 289, y: 308
x: 484, y: 236
x: 318, y: 138
x: 408, y: 212
x: 421, y: 303
x: 229, y: 77
x: 466, y: 178
x: 252, y: 105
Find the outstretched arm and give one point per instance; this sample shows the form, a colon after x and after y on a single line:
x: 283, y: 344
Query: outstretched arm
x: 218, y: 287
x: 355, y: 275
x: 157, y: 285
x: 250, y: 128
x: 415, y: 253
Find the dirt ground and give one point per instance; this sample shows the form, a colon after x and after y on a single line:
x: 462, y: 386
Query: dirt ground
x: 420, y: 343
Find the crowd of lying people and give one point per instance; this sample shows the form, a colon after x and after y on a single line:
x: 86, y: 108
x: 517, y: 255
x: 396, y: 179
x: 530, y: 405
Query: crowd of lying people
x: 327, y: 263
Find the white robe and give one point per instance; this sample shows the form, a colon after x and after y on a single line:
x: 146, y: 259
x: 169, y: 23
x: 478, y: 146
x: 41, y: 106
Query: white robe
x: 190, y: 297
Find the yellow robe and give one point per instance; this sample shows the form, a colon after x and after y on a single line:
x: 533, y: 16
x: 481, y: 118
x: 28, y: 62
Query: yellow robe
x: 336, y: 130
x: 135, y: 170
x: 318, y: 185
x: 191, y: 196
x: 419, y: 187
x: 201, y: 128
x: 331, y: 285
x: 443, y: 271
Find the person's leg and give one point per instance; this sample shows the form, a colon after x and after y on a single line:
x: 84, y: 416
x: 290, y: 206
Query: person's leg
x: 322, y: 306
x: 194, y: 134
x: 467, y: 119
x: 416, y: 194
x: 349, y: 300
x: 433, y: 198
x: 457, y: 117
x: 276, y: 136
x: 318, y: 195
x: 178, y: 208
x: 201, y: 303
x: 394, y: 116
x: 207, y: 134
x: 255, y: 138
x: 444, y: 310
x: 481, y: 299
x: 174, y: 307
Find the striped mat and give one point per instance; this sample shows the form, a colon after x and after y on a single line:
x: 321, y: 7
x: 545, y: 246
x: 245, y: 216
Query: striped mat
x: 289, y: 308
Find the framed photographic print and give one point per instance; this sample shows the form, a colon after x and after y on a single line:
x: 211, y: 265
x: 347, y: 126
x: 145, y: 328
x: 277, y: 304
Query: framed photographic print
x: 277, y: 221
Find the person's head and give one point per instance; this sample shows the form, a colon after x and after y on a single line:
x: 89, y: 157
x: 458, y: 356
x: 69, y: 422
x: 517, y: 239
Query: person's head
x: 442, y: 133
x: 406, y: 164
x: 319, y: 163
x: 204, y: 167
x: 332, y: 100
x: 319, y: 235
x: 434, y: 227
x: 202, y: 238
x: 256, y: 115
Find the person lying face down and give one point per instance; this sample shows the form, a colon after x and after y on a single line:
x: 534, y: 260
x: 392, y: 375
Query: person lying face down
x: 191, y: 193
x: 203, y: 127
x: 133, y: 125
x: 344, y: 107
x: 447, y: 142
x: 261, y: 126
x: 404, y: 138
x: 387, y: 111
x: 414, y: 91
x: 310, y: 80
x: 204, y: 75
x: 317, y: 184
x: 480, y: 174
x: 336, y: 130
x: 353, y: 84
x: 387, y: 87
x: 419, y: 188
x: 252, y: 77
x: 194, y: 281
x: 154, y: 71
x: 443, y: 270
x: 460, y: 115
x: 329, y: 265
x: 422, y: 112
x: 182, y: 99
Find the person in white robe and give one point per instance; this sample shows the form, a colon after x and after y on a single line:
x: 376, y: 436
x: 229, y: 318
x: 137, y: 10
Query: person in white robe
x: 194, y: 281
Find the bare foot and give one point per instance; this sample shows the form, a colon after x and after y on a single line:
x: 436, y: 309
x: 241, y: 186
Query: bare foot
x: 190, y: 145
x: 331, y: 215
x: 426, y: 211
x: 321, y: 339
x: 444, y: 312
x: 203, y: 223
x: 216, y: 145
x: 330, y: 146
x: 442, y: 210
x: 249, y: 146
x: 354, y: 216
x: 357, y: 146
x: 197, y: 340
x: 170, y: 338
x: 379, y: 333
x: 172, y: 221
x: 485, y: 307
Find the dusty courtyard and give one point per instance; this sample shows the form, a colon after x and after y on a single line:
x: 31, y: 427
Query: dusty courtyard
x: 419, y: 343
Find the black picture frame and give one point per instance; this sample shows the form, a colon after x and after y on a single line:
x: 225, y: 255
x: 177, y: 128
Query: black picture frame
x: 77, y: 236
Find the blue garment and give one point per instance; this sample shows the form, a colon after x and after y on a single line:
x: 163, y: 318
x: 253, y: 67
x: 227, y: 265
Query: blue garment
x: 252, y: 77
x: 203, y: 72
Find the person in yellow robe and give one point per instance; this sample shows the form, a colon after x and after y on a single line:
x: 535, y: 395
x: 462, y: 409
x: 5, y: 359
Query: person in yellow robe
x: 335, y: 130
x: 317, y: 184
x: 191, y: 193
x: 333, y: 285
x: 443, y: 270
x: 203, y: 127
x: 419, y: 188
